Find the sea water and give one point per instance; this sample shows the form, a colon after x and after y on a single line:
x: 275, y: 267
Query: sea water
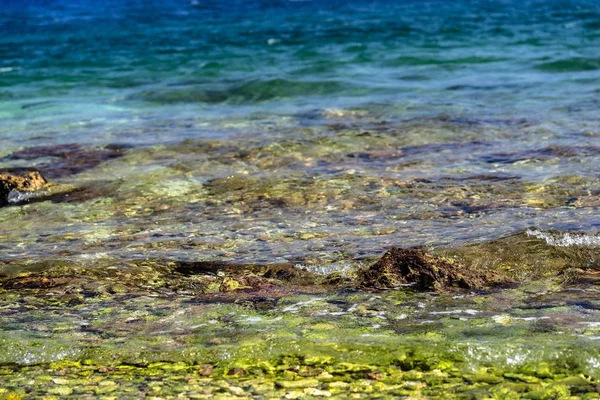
x: 314, y: 133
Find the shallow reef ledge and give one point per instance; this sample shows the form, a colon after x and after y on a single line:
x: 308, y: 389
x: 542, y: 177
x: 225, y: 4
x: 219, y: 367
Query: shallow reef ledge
x: 425, y: 271
x: 461, y: 322
x: 506, y: 262
x: 565, y: 257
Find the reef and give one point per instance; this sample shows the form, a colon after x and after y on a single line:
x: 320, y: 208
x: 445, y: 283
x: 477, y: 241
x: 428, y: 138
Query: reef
x: 288, y: 269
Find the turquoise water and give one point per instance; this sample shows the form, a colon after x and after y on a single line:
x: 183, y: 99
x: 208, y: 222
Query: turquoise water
x: 479, y: 119
x: 98, y: 72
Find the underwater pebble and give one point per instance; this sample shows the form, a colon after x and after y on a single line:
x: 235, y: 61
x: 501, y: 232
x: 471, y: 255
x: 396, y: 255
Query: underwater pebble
x: 294, y: 394
x: 317, y: 392
x: 238, y: 391
x: 60, y: 390
x: 303, y: 383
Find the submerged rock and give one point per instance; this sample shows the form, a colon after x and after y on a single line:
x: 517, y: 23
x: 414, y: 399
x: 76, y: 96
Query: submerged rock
x: 532, y: 255
x: 13, y: 185
x: 426, y: 271
x: 67, y: 159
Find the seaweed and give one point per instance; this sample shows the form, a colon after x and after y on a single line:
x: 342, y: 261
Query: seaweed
x: 425, y: 271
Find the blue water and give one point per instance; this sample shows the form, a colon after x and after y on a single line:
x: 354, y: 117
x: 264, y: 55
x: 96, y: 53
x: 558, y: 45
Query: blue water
x: 89, y: 71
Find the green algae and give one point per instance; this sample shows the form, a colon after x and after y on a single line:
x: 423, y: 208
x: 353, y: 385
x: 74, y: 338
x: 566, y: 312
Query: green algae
x: 339, y: 343
x: 288, y: 377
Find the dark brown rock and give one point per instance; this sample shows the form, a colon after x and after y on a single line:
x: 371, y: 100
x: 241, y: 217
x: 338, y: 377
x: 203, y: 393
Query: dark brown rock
x: 237, y: 372
x: 33, y: 282
x: 205, y: 369
x: 426, y: 271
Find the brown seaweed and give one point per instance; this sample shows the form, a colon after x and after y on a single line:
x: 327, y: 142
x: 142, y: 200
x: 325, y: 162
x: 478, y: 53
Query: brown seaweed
x: 426, y: 271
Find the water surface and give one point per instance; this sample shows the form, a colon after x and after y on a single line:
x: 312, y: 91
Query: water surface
x: 304, y: 132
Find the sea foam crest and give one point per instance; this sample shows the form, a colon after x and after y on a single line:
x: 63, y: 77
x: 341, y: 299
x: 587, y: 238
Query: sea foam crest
x: 15, y: 196
x: 566, y: 239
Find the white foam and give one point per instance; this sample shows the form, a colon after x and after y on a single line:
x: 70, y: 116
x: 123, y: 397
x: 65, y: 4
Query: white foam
x: 344, y: 269
x: 17, y: 197
x: 297, y: 306
x: 566, y: 239
x: 469, y: 312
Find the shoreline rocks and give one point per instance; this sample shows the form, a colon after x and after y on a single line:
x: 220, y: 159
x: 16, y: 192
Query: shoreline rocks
x: 425, y: 271
x: 26, y: 183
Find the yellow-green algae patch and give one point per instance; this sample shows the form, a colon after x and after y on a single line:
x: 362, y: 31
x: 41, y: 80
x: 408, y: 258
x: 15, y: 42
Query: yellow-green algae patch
x: 402, y: 374
x: 86, y: 339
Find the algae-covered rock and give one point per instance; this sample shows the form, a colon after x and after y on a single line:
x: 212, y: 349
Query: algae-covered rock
x: 12, y: 185
x: 534, y: 255
x: 426, y: 271
x: 229, y: 281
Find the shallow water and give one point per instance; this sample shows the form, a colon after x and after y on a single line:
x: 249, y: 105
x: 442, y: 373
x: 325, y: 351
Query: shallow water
x: 315, y: 134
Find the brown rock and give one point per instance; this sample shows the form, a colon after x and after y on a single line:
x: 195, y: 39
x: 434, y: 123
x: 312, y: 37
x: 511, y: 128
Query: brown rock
x: 205, y: 369
x: 33, y: 282
x: 237, y: 372
x: 375, y: 376
x: 426, y: 271
x: 29, y: 182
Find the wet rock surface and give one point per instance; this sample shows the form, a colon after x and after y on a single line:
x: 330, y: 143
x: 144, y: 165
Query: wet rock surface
x: 135, y: 341
x: 11, y: 185
x: 215, y: 267
x: 19, y: 184
x: 425, y: 271
x: 492, y: 265
x: 61, y: 161
x: 154, y: 327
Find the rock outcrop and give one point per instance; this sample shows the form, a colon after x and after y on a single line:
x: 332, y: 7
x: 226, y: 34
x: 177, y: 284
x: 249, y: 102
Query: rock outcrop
x: 425, y: 271
x: 29, y: 182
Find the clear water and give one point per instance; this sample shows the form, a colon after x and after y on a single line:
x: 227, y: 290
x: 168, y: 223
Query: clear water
x: 311, y: 132
x: 494, y: 100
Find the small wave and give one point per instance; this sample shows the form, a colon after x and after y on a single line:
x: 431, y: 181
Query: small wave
x: 570, y: 65
x: 418, y: 61
x: 15, y: 197
x: 344, y: 269
x: 253, y: 91
x: 566, y: 239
